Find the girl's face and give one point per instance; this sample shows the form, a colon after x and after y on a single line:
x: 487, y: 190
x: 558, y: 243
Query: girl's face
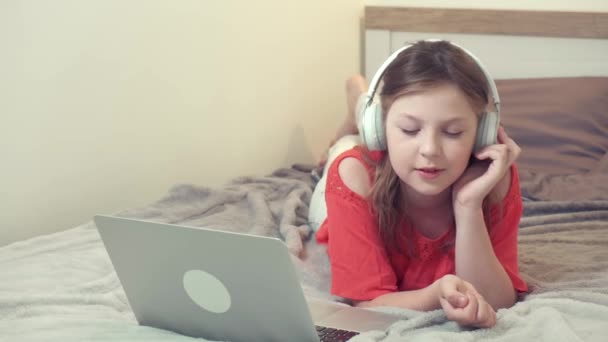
x: 430, y: 136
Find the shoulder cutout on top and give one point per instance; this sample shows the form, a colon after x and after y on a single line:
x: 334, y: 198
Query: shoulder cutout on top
x: 355, y: 176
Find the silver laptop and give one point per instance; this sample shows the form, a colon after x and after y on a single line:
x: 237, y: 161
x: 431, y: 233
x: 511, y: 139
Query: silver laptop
x: 221, y: 285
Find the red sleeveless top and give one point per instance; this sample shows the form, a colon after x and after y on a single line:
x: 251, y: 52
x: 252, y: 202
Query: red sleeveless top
x: 361, y: 269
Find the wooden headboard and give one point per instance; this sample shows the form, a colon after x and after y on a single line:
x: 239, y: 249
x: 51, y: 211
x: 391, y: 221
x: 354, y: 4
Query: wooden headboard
x: 511, y: 43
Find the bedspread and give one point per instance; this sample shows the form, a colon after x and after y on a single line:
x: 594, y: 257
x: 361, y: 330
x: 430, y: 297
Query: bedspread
x: 62, y: 286
x: 563, y: 250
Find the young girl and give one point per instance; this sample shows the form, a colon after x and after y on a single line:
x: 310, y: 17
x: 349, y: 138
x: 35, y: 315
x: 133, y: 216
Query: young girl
x: 428, y: 223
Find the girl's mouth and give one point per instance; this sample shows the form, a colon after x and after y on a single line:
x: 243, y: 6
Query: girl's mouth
x: 429, y: 173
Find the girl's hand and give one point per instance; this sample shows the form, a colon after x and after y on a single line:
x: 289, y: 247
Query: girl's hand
x: 483, y: 175
x: 463, y: 304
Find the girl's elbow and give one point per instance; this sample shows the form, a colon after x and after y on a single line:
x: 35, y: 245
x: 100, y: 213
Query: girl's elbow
x: 362, y: 303
x: 507, y: 301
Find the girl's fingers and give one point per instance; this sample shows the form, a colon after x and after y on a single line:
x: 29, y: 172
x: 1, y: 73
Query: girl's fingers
x: 482, y: 309
x: 478, y: 311
x: 513, y: 148
x: 502, y: 137
x: 514, y: 151
x: 488, y: 319
x: 457, y: 315
x: 493, y: 152
x: 499, y: 157
x: 486, y: 316
x: 445, y: 305
x: 449, y: 310
x: 470, y: 312
x: 451, y: 291
x: 457, y: 301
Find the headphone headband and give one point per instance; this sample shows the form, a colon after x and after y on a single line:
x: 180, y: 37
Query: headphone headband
x: 371, y: 92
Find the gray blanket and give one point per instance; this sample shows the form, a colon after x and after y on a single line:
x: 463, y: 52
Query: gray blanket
x: 563, y: 249
x: 62, y: 287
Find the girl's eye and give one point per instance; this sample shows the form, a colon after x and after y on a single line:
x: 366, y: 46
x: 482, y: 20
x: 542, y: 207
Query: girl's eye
x: 453, y: 134
x: 409, y: 131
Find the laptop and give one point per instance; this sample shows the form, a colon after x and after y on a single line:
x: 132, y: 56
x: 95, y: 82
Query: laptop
x: 221, y: 285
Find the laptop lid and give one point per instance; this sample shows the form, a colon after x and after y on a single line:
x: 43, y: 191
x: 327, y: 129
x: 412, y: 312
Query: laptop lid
x: 207, y: 283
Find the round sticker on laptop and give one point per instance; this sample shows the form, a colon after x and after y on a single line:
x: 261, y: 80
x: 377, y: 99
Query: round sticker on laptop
x: 207, y: 291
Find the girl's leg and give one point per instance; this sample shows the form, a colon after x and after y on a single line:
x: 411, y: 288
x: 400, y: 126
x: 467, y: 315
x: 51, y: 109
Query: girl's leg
x: 356, y: 88
x: 346, y: 138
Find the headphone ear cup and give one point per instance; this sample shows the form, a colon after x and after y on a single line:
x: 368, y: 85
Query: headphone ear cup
x: 487, y: 130
x: 372, y: 128
x: 380, y: 129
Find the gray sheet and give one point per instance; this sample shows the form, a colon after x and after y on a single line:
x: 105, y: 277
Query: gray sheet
x: 62, y: 287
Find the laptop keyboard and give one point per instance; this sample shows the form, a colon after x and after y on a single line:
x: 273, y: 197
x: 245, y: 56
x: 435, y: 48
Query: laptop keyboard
x: 334, y: 335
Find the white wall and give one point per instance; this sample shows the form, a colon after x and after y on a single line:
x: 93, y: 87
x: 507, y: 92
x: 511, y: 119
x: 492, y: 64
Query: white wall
x: 105, y: 104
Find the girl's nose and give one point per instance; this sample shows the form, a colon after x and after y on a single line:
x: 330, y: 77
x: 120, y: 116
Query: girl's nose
x: 429, y: 145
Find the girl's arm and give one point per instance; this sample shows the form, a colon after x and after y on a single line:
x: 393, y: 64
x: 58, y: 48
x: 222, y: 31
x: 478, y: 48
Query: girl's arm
x: 425, y: 299
x: 459, y: 300
x: 476, y: 261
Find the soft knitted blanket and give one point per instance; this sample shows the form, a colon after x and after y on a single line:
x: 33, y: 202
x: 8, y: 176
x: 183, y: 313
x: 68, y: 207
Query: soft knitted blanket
x: 62, y: 286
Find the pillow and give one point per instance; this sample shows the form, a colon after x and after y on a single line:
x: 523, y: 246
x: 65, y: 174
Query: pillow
x: 561, y: 124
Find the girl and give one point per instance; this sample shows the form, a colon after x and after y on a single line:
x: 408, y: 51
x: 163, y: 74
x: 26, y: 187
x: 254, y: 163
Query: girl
x: 428, y: 223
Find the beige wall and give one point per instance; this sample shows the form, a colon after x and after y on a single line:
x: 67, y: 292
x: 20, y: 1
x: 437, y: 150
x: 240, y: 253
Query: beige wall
x: 107, y: 103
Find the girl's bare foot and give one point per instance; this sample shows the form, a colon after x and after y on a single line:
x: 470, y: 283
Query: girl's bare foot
x: 355, y: 86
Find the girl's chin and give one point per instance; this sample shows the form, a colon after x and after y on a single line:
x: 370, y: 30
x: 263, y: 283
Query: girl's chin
x: 428, y: 190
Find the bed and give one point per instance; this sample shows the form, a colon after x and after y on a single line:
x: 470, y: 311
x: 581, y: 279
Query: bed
x: 62, y: 286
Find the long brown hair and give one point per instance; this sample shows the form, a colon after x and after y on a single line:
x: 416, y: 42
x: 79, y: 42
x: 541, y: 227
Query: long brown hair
x: 423, y: 65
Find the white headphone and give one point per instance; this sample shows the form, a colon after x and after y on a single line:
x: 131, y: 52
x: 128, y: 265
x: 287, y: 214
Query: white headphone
x: 371, y: 124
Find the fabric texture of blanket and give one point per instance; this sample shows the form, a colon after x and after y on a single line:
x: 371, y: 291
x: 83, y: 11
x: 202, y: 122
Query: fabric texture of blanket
x: 62, y: 286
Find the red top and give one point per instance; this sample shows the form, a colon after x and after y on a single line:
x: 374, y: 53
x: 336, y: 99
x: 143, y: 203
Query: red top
x: 360, y: 266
